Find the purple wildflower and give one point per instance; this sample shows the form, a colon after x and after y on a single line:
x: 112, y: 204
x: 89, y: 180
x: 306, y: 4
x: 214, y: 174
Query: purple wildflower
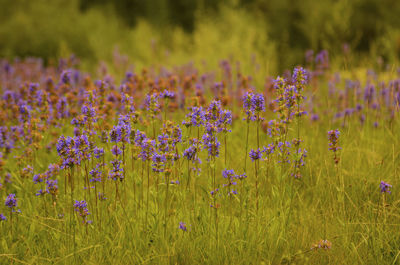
x: 385, y: 187
x: 255, y: 154
x: 182, y: 226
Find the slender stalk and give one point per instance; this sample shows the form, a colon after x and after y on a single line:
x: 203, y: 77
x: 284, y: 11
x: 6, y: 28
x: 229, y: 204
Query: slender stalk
x: 148, y: 191
x: 256, y: 171
x: 165, y: 109
x: 225, y: 147
x: 216, y: 208
x: 247, y: 145
x: 166, y: 204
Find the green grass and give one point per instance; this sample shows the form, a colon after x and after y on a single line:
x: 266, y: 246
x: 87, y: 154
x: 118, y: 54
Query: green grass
x: 342, y: 204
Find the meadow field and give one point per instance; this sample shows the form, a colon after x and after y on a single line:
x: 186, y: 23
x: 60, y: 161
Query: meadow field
x: 192, y: 164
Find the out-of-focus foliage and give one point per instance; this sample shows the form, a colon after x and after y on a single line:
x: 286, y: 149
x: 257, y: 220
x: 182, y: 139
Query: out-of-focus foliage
x: 277, y: 32
x: 41, y: 28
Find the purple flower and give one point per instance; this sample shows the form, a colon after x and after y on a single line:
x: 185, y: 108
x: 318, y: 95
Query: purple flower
x: 152, y: 105
x: 213, y: 111
x: 182, y: 226
x: 258, y: 103
x: 11, y: 202
x: 253, y: 104
x: 96, y: 174
x: 98, y: 152
x: 158, y: 162
x: 167, y: 94
x: 385, y: 187
x: 255, y: 154
x: 116, y: 172
x: 116, y: 151
x: 2, y: 217
x: 147, y: 150
x: 116, y: 134
x: 333, y: 137
x: 190, y: 152
x: 66, y: 77
x: 314, y: 117
x: 40, y: 192
x: 197, y: 117
x: 39, y: 178
x: 139, y: 137
x: 228, y: 173
x: 212, y: 144
x: 81, y: 208
x: 52, y: 187
x: 300, y: 76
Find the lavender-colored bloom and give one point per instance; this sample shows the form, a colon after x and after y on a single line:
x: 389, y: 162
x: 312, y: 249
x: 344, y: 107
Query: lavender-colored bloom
x: 247, y: 104
x: 147, y: 150
x: 140, y: 137
x: 385, y: 187
x: 255, y: 154
x: 81, y: 208
x: 53, y: 170
x: 333, y: 137
x: 62, y: 108
x: 40, y: 192
x: 98, y: 152
x: 190, y: 152
x: 212, y: 144
x: 167, y: 94
x: 231, y: 178
x: 348, y: 111
x: 322, y: 60
x: 95, y: 175
x: 116, y: 134
x: 11, y: 201
x: 242, y: 176
x: 197, y: 116
x: 182, y: 226
x: 116, y: 151
x: 269, y: 149
x: 258, y: 103
x: 39, y: 178
x: 314, y: 117
x: 66, y: 77
x: 52, y: 187
x: 163, y: 142
x: 224, y: 120
x: 362, y: 119
x: 300, y: 76
x: 214, y: 192
x: 151, y: 104
x: 158, y: 162
x: 2, y: 217
x: 176, y: 135
x: 213, y: 111
x: 116, y: 172
x: 228, y: 173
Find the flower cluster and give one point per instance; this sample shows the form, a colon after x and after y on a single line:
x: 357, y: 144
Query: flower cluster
x: 385, y: 187
x: 333, y: 137
x: 253, y: 105
x: 12, y: 202
x: 82, y: 210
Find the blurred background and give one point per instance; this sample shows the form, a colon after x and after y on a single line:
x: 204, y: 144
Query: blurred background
x: 274, y: 33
